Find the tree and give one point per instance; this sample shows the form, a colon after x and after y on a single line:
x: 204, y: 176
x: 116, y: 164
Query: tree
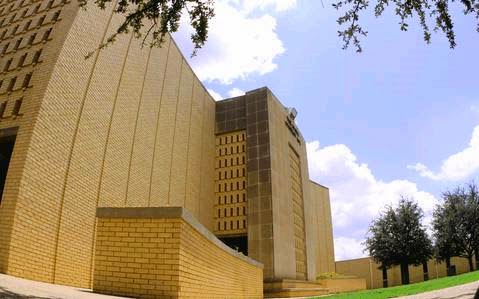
x: 380, y: 244
x: 428, y: 11
x: 456, y: 224
x: 397, y: 237
x: 163, y: 16
x: 443, y: 225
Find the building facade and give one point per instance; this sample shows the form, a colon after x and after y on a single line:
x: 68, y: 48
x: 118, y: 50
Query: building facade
x: 134, y: 127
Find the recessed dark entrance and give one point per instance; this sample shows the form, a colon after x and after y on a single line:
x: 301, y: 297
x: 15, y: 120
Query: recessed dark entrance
x: 6, y: 149
x: 239, y: 243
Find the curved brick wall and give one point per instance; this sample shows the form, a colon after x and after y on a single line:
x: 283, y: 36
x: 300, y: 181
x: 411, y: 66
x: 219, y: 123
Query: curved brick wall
x: 165, y: 252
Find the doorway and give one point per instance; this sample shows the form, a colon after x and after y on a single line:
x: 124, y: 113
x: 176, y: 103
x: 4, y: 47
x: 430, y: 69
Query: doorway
x: 6, y: 149
x: 238, y: 243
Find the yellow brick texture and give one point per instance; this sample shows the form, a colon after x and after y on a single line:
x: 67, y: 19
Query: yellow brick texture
x: 34, y: 234
x: 168, y: 258
x: 106, y: 131
x: 41, y: 67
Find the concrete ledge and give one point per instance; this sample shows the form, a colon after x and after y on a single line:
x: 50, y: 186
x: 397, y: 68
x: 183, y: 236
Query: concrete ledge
x: 171, y: 213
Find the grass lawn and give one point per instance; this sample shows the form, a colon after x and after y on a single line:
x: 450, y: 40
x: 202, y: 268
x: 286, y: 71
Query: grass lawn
x: 420, y: 287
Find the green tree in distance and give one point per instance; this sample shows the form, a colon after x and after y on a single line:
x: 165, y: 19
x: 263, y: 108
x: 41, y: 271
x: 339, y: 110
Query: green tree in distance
x: 443, y: 226
x: 397, y: 237
x: 163, y: 16
x: 456, y: 224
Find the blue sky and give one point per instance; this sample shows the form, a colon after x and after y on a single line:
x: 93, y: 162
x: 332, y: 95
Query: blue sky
x: 366, y: 117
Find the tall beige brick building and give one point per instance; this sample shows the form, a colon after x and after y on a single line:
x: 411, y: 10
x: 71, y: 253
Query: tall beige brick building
x: 134, y: 127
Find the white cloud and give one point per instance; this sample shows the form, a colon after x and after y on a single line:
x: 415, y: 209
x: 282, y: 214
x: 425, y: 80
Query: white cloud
x: 235, y: 92
x: 347, y: 248
x: 475, y: 108
x: 357, y: 196
x: 242, y: 41
x: 279, y: 5
x: 456, y: 167
x: 216, y: 96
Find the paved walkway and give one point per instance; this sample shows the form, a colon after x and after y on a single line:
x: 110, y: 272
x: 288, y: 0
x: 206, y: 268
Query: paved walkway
x: 18, y: 288
x: 465, y: 291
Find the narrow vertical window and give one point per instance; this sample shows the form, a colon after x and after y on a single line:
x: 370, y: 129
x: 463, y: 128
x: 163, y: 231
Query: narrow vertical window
x: 16, y: 107
x: 40, y: 21
x: 26, y: 80
x: 55, y: 16
x: 6, y: 67
x: 31, y: 39
x: 14, y: 31
x: 36, y: 57
x: 36, y: 9
x: 17, y: 44
x: 47, y: 33
x: 21, y: 61
x: 12, y: 18
x: 2, y: 108
x: 11, y: 85
x: 27, y: 25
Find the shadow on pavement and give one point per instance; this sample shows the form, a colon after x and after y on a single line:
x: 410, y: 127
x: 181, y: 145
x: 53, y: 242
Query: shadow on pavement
x: 7, y: 294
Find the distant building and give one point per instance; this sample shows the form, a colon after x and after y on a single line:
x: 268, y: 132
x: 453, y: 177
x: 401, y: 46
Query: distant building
x: 134, y: 127
x: 368, y: 269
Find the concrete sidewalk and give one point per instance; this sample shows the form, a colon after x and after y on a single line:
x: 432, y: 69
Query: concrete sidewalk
x: 18, y: 288
x: 465, y: 291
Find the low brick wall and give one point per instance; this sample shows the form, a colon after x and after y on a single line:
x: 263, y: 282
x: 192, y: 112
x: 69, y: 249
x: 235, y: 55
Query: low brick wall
x: 342, y: 285
x: 166, y: 253
x: 366, y: 268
